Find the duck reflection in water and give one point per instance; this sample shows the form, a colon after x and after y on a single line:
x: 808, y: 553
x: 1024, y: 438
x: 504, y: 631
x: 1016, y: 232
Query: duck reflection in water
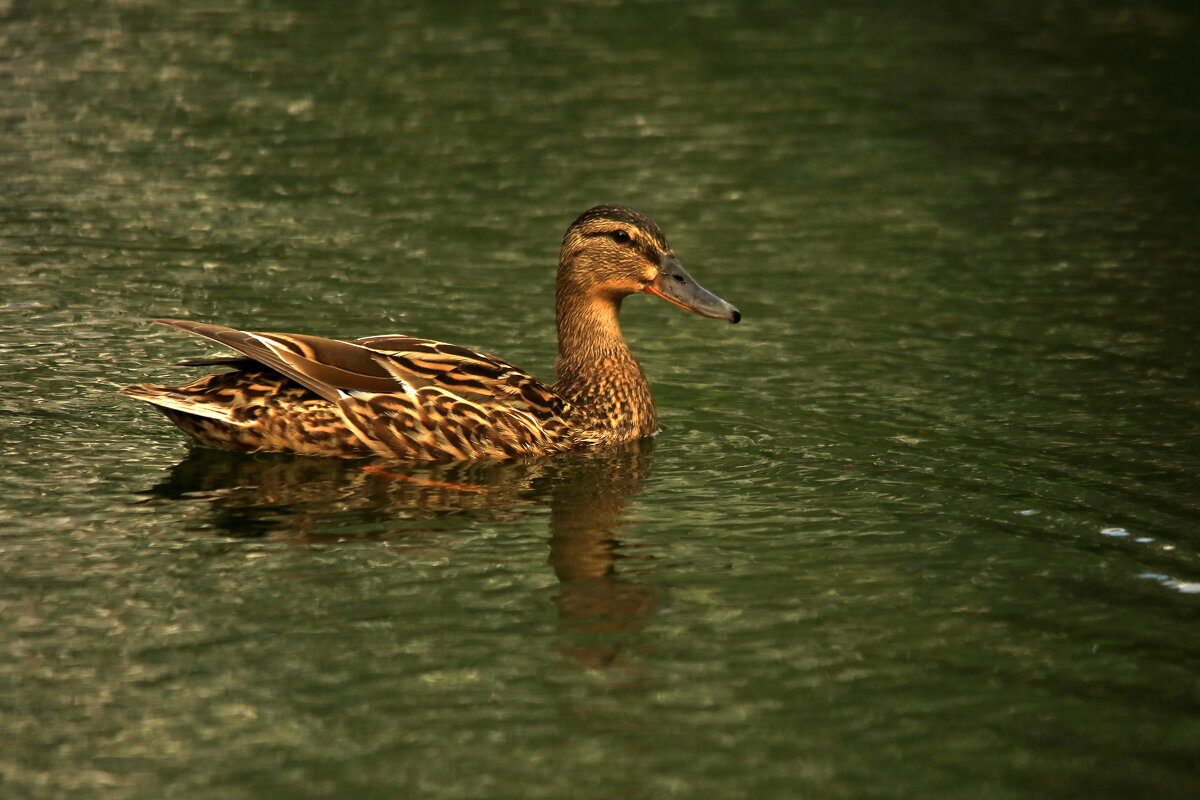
x: 308, y: 501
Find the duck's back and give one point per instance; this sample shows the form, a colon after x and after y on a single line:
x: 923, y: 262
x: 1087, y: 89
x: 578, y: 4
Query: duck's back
x: 393, y: 396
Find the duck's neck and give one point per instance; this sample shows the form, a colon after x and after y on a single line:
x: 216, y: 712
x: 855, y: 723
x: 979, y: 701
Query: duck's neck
x: 596, y: 371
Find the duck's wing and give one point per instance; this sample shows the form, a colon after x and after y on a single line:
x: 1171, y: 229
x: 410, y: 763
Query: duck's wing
x: 411, y: 397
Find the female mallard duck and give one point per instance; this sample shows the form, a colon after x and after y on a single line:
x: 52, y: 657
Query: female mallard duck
x: 417, y: 399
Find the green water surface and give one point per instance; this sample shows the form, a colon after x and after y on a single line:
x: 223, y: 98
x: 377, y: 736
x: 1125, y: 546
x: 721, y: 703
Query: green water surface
x: 924, y: 525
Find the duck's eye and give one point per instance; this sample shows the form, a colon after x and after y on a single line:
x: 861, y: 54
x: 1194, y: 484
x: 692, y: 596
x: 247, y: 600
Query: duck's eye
x: 620, y: 237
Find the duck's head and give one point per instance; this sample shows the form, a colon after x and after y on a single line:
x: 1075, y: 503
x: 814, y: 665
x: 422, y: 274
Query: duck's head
x: 611, y: 252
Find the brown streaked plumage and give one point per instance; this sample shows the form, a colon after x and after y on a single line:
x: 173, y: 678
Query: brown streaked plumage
x: 414, y: 399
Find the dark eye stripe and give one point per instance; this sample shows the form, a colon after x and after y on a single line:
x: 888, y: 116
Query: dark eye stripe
x: 646, y: 248
x: 611, y: 235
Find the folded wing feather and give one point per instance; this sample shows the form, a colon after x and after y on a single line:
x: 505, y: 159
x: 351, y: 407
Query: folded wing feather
x: 396, y: 365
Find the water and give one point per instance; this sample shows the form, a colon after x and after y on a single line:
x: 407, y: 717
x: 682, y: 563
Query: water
x: 923, y: 525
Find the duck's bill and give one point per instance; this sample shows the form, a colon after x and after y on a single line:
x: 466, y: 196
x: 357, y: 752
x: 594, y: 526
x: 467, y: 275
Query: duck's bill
x: 675, y: 285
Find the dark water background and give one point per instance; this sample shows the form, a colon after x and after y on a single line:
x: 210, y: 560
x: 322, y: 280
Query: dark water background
x: 925, y: 525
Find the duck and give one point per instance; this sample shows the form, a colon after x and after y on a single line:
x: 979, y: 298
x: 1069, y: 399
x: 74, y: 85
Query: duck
x: 410, y: 399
